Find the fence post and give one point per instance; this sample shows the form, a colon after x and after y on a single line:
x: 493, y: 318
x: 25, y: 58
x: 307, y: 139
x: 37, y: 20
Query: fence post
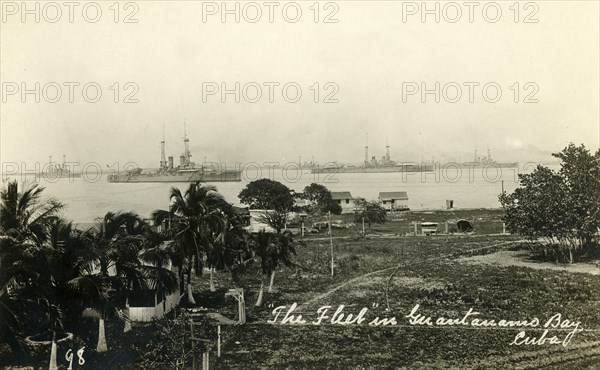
x: 193, y: 345
x: 242, y: 307
x: 219, y: 340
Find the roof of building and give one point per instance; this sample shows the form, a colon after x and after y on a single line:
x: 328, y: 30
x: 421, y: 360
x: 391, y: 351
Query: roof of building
x: 387, y: 195
x: 337, y: 195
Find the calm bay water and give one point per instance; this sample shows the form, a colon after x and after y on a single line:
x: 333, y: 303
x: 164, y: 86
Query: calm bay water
x: 469, y: 188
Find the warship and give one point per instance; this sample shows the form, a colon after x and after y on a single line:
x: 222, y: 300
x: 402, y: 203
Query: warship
x: 186, y: 171
x: 54, y: 170
x: 372, y: 165
x: 487, y: 161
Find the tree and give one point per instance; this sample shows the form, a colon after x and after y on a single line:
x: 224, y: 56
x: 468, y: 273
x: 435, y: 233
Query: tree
x: 155, y: 256
x: 276, y: 219
x: 25, y: 223
x: 195, y: 218
x: 24, y: 216
x: 561, y: 209
x: 372, y: 212
x: 112, y: 245
x: 231, y: 248
x: 138, y: 259
x: 61, y: 261
x: 272, y: 250
x: 274, y: 197
x: 124, y: 244
x: 267, y: 194
x: 320, y: 200
x: 580, y: 170
x: 535, y: 209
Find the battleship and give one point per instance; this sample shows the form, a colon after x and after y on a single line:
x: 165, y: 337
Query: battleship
x: 372, y: 165
x: 186, y: 171
x: 54, y: 170
x: 487, y: 161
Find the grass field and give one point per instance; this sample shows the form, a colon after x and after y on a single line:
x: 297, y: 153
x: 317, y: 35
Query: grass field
x: 431, y: 272
x: 388, y: 273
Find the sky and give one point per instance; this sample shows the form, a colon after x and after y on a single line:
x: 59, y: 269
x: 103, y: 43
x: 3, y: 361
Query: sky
x: 366, y: 65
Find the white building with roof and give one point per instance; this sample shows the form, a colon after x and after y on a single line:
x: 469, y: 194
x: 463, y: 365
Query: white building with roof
x: 394, y: 200
x: 344, y: 199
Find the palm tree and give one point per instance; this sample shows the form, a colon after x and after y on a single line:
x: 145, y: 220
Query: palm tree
x: 282, y: 253
x: 156, y: 255
x: 25, y: 221
x: 39, y: 254
x: 129, y: 258
x: 62, y: 261
x: 194, y: 217
x: 230, y: 249
x: 24, y: 215
x: 272, y: 250
x: 111, y: 268
x: 93, y: 290
x: 24, y: 225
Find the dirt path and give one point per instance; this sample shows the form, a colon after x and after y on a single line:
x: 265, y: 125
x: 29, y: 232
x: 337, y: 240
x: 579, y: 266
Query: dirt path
x: 521, y: 259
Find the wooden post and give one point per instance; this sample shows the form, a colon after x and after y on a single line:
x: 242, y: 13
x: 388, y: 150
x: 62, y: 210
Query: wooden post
x: 503, y: 228
x: 242, y: 307
x: 363, y: 225
x: 193, y: 345
x: 415, y: 228
x: 219, y: 340
x: 331, y: 242
x: 238, y: 294
x: 302, y: 228
x: 446, y: 227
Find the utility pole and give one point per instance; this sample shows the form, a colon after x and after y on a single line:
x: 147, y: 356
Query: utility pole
x: 331, y: 242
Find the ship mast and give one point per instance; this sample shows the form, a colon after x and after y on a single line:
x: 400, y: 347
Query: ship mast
x: 186, y: 143
x: 367, y: 151
x: 163, y: 157
x: 387, y: 151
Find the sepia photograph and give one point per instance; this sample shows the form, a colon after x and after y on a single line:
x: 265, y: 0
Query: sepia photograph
x: 308, y: 184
